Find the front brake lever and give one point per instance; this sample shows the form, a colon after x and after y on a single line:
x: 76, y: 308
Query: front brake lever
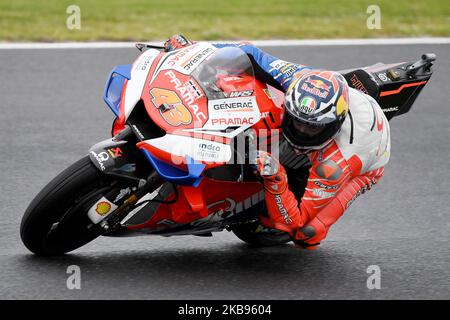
x: 144, y: 46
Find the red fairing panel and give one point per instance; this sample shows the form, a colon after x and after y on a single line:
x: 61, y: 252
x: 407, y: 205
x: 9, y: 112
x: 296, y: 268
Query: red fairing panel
x: 210, y: 197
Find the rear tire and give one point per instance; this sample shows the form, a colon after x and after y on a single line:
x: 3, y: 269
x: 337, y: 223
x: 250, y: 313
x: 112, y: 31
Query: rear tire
x: 258, y: 236
x: 56, y: 220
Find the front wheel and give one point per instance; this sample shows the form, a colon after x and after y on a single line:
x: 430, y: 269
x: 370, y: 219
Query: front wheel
x: 56, y: 221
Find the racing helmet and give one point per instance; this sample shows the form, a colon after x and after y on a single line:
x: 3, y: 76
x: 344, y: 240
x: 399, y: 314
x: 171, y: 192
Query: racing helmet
x: 316, y: 105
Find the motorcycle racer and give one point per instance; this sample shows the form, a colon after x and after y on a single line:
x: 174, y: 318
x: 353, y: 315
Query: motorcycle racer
x: 336, y: 139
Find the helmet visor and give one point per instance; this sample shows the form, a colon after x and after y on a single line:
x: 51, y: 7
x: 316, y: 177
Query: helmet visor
x: 303, y: 135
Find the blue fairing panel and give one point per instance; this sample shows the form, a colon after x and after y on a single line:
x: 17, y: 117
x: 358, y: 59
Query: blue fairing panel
x: 175, y: 175
x: 114, y: 85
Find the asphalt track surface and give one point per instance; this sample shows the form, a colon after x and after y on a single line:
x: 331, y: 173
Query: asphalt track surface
x: 52, y: 112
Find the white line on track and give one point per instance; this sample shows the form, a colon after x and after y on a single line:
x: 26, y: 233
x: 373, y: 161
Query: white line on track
x: 260, y: 43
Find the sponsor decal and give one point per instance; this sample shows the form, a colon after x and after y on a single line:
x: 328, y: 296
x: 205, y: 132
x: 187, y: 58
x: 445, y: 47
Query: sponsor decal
x: 323, y: 194
x: 122, y: 193
x: 232, y: 208
x: 391, y: 109
x: 233, y: 105
x: 265, y: 114
x: 232, y: 121
x: 100, y: 210
x: 278, y: 64
x: 238, y: 94
x: 100, y: 157
x: 197, y: 59
x: 239, y: 113
x: 103, y: 208
x: 143, y: 65
x: 357, y: 84
x: 179, y: 55
x: 360, y: 191
x: 186, y: 94
x: 316, y: 87
x: 289, y: 69
x: 220, y: 210
x: 218, y: 215
x: 320, y: 84
x: 307, y: 105
x: 208, y: 150
x: 324, y: 186
x: 209, y: 146
x: 115, y: 152
x: 282, y: 209
x: 329, y: 170
x: 136, y: 131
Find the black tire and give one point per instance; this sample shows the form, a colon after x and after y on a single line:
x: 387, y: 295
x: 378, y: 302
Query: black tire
x: 65, y: 200
x: 258, y: 236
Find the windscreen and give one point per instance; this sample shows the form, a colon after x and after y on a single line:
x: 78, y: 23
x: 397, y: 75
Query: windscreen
x: 225, y: 73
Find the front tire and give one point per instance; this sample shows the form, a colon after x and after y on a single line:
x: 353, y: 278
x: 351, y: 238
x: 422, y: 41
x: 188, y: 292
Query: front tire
x: 56, y: 220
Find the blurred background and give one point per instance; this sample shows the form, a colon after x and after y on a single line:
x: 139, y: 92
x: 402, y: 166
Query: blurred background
x: 47, y: 20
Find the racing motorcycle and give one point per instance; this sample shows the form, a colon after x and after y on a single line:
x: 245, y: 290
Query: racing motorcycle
x: 174, y: 165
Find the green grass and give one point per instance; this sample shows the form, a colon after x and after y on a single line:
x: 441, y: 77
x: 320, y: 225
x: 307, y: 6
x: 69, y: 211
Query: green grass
x: 45, y: 20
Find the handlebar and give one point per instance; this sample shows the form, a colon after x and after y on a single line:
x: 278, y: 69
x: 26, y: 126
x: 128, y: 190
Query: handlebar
x: 424, y: 63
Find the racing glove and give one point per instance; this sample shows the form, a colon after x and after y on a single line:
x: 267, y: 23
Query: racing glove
x: 275, y: 182
x: 176, y: 42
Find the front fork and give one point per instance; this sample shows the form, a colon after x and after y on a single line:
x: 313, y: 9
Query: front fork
x: 119, y: 157
x: 122, y: 203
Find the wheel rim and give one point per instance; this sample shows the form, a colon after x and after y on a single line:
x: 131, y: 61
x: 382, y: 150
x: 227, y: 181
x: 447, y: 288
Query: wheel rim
x: 71, y: 230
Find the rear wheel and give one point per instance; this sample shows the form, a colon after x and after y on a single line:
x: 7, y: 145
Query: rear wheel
x: 259, y: 236
x: 56, y: 220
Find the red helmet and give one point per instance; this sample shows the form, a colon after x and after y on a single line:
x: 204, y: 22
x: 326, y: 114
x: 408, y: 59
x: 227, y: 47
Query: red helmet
x: 315, y: 108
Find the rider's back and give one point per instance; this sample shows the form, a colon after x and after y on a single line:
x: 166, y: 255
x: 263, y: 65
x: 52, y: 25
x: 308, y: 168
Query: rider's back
x: 365, y: 134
